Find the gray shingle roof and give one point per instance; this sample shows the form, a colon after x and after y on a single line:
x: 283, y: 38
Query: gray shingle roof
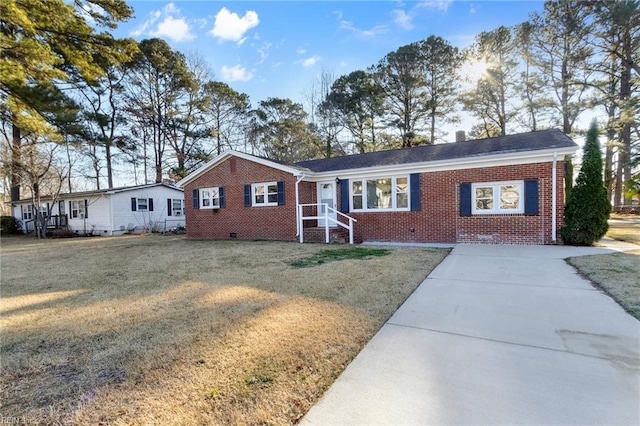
x: 522, y: 142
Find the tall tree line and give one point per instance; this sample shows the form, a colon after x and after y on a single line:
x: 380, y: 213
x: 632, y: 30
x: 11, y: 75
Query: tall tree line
x: 149, y: 109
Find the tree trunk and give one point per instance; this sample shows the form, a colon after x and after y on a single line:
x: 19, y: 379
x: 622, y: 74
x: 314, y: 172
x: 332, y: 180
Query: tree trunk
x: 16, y: 163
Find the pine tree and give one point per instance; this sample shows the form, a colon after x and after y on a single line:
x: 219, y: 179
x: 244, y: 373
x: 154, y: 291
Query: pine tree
x: 587, y: 209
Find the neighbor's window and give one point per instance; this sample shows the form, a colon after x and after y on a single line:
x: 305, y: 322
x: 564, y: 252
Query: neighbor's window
x: 264, y: 194
x: 177, y: 207
x: 77, y: 209
x: 388, y: 193
x: 142, y: 204
x: 209, y: 198
x: 26, y: 212
x: 497, y: 197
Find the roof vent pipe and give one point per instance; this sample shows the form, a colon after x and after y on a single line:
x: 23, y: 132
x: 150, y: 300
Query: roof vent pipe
x: 460, y: 136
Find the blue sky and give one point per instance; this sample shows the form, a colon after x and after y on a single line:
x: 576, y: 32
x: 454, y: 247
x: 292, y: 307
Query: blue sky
x: 276, y: 48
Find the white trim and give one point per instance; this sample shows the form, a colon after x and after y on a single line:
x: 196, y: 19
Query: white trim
x: 496, y: 210
x: 212, y: 204
x: 266, y: 194
x: 484, y: 161
x: 231, y: 153
x: 394, y: 194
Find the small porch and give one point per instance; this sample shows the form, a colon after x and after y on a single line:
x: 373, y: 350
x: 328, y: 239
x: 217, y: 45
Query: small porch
x: 54, y: 223
x: 326, y: 224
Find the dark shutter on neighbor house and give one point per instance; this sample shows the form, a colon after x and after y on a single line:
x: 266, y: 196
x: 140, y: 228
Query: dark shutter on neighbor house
x: 133, y: 204
x: 465, y: 199
x: 531, y: 197
x: 414, y: 188
x: 247, y: 195
x: 196, y: 199
x: 281, y: 198
x: 223, y: 202
x: 70, y: 210
x: 344, y: 196
x: 86, y: 209
x: 150, y: 204
x: 169, y: 207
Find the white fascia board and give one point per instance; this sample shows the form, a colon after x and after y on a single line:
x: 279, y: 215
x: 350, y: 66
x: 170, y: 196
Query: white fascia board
x: 231, y: 153
x: 484, y: 161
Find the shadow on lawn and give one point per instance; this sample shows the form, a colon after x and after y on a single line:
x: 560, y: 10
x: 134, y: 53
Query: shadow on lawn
x: 166, y: 334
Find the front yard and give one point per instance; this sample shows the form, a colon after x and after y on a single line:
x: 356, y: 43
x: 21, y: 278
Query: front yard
x: 161, y: 330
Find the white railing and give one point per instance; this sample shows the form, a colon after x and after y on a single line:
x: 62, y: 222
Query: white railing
x: 327, y: 218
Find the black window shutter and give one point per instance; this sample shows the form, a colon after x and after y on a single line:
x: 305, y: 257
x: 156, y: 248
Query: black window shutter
x: 223, y: 202
x: 414, y: 188
x: 465, y: 199
x: 70, y: 210
x: 150, y: 204
x: 196, y: 199
x: 247, y: 195
x: 531, y: 197
x: 133, y: 204
x: 86, y: 209
x: 344, y: 196
x: 281, y: 198
x: 169, y: 207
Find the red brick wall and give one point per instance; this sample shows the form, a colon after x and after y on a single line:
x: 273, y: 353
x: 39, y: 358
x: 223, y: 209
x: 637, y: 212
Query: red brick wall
x: 439, y: 220
x: 248, y: 223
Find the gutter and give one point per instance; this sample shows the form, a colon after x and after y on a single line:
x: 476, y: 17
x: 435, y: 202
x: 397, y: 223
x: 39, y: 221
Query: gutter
x: 554, y: 196
x: 298, y: 180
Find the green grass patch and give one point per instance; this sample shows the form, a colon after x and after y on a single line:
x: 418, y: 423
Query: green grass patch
x: 331, y: 255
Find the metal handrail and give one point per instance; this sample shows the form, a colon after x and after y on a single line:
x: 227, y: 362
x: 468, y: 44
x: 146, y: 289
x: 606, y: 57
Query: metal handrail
x: 326, y: 218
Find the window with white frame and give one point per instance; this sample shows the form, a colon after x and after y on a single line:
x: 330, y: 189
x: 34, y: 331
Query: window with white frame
x: 27, y: 213
x: 142, y: 204
x: 177, y: 207
x: 264, y: 194
x: 77, y: 209
x: 209, y: 198
x: 385, y: 193
x: 497, y: 197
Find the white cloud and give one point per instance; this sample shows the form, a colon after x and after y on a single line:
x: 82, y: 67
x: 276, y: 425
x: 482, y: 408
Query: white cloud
x: 235, y: 73
x: 377, y: 30
x: 441, y: 5
x: 263, y: 51
x: 301, y: 50
x: 174, y: 29
x: 163, y: 24
x: 402, y: 19
x: 229, y: 26
x: 311, y: 61
x: 472, y: 8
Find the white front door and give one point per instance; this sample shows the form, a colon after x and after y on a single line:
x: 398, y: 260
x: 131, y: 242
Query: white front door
x: 327, y: 195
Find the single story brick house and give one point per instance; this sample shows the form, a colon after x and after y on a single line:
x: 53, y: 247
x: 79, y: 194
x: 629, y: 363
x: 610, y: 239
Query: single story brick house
x: 505, y: 190
x: 107, y: 212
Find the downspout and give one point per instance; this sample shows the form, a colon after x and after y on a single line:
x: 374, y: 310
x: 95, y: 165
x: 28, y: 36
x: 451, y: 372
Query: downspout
x: 554, y: 196
x: 298, y: 180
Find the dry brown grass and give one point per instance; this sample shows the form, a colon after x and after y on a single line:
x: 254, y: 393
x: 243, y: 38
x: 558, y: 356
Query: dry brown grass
x: 625, y: 228
x: 616, y: 274
x: 162, y: 330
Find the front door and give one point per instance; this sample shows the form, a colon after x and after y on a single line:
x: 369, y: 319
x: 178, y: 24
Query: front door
x: 327, y: 195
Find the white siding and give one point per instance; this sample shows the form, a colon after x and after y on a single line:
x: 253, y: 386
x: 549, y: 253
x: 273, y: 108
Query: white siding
x: 98, y: 220
x: 111, y: 214
x: 126, y: 220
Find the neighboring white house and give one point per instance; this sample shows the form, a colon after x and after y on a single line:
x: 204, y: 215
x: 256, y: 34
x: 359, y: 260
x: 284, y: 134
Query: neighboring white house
x: 153, y: 207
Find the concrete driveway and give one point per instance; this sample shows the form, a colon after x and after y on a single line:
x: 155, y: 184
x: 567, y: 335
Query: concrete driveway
x: 496, y: 335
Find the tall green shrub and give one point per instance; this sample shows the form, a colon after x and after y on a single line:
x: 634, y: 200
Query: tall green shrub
x: 587, y: 209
